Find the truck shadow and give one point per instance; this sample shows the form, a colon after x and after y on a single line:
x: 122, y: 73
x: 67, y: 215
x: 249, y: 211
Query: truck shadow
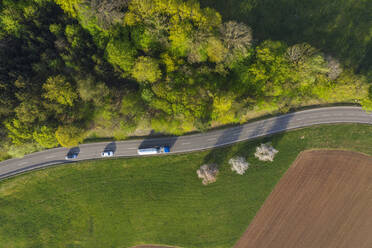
x: 151, y: 142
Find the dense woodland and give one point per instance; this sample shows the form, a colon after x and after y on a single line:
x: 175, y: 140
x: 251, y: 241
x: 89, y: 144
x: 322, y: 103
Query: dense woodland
x: 70, y: 66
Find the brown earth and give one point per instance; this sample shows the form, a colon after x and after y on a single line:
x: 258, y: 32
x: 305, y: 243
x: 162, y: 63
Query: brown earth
x: 323, y: 201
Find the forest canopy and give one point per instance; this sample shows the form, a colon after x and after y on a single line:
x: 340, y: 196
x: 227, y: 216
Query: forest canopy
x: 71, y: 67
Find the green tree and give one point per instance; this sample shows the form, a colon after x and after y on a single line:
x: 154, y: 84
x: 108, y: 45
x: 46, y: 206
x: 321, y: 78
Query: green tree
x: 45, y: 136
x: 146, y: 69
x: 132, y: 105
x: 10, y: 21
x: 73, y: 34
x: 59, y: 90
x: 143, y: 39
x: 91, y: 90
x: 29, y: 111
x: 121, y: 52
x: 180, y: 37
x: 69, y: 135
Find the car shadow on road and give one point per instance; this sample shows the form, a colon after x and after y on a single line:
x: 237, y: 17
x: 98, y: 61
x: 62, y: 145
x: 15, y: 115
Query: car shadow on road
x: 73, y: 150
x: 110, y: 147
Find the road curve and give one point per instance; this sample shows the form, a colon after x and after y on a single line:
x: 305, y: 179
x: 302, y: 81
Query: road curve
x: 193, y: 142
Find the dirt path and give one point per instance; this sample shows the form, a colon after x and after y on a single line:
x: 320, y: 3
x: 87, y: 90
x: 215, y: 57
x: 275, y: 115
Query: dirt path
x: 323, y: 201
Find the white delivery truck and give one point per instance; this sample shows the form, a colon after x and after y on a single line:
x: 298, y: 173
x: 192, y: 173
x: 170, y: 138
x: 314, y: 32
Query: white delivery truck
x: 153, y: 150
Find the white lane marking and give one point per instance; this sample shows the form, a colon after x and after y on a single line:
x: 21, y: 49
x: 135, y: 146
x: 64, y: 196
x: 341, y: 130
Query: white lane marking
x: 211, y: 139
x: 132, y: 148
x: 52, y: 156
x: 186, y: 143
x: 25, y: 162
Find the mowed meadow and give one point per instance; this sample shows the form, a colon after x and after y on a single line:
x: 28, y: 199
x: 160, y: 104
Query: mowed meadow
x: 156, y: 200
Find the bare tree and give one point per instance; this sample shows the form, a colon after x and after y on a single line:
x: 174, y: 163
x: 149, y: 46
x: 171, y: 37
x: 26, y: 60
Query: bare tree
x: 107, y: 12
x: 61, y: 44
x: 299, y: 52
x: 199, y: 39
x: 334, y: 67
x: 236, y: 35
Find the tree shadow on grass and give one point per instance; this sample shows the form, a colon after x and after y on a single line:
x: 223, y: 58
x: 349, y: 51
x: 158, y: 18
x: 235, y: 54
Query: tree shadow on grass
x: 263, y: 132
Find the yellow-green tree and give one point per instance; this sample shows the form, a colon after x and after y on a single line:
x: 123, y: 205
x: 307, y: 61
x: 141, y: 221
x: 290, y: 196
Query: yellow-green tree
x: 45, y: 136
x: 216, y: 50
x: 59, y: 90
x: 146, y: 69
x: 69, y: 135
x: 121, y: 52
x: 222, y: 109
x: 18, y: 132
x: 69, y: 6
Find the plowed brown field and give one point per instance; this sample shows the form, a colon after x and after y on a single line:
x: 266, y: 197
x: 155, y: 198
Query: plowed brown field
x: 323, y: 201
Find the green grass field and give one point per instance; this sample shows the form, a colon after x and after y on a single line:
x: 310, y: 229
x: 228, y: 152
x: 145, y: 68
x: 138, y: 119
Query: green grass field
x: 158, y: 200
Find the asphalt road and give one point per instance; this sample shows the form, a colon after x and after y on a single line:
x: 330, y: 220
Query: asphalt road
x: 192, y: 142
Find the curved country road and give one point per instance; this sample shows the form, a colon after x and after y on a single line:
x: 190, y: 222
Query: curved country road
x: 193, y: 142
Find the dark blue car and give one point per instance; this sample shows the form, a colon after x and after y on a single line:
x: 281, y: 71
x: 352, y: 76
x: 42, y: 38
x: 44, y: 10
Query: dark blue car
x: 71, y: 155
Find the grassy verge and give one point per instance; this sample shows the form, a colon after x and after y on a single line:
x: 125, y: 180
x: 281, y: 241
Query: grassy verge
x: 124, y: 202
